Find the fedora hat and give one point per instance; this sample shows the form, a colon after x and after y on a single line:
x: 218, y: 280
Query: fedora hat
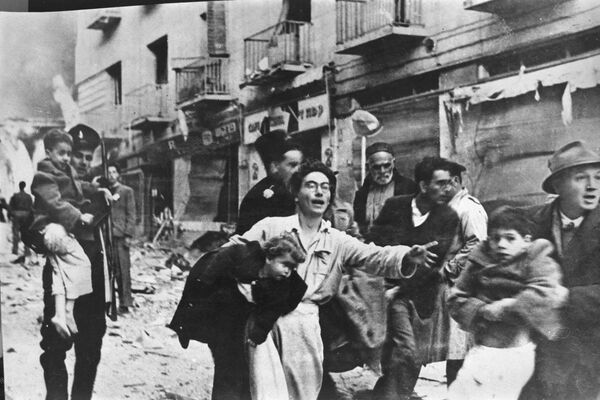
x: 571, y: 155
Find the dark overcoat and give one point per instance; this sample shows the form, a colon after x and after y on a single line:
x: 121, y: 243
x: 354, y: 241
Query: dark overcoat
x: 567, y: 368
x: 59, y: 196
x: 123, y: 211
x: 268, y: 198
x: 402, y: 186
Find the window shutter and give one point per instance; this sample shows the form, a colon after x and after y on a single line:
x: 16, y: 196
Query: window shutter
x: 217, y: 28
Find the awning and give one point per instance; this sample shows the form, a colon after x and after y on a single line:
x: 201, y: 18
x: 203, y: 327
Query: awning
x: 579, y: 74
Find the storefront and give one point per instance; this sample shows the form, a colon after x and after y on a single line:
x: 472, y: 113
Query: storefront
x: 205, y: 173
x: 505, y: 130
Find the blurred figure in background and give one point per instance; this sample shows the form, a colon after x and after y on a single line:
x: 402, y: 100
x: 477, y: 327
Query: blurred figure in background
x: 123, y: 218
x: 19, y: 209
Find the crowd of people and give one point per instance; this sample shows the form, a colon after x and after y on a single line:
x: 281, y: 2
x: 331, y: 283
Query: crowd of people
x: 409, y: 273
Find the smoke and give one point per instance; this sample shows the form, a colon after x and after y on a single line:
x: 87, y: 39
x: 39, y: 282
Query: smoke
x: 34, y: 48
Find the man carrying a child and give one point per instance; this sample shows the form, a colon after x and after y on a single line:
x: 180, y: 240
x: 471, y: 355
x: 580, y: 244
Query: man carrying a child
x: 59, y: 203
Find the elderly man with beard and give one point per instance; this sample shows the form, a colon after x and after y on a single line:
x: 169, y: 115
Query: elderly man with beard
x: 567, y: 368
x: 382, y: 182
x: 290, y: 362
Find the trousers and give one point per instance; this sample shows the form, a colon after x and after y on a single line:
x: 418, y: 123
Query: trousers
x: 289, y: 364
x: 399, y: 362
x: 90, y: 318
x: 124, y: 273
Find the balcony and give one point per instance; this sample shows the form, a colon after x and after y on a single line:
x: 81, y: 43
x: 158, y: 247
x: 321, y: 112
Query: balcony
x: 278, y: 53
x: 367, y: 25
x: 505, y: 7
x: 149, y: 106
x: 203, y: 83
x: 105, y: 19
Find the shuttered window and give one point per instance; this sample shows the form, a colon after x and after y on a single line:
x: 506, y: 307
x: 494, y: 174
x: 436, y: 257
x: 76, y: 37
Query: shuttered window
x: 217, y: 28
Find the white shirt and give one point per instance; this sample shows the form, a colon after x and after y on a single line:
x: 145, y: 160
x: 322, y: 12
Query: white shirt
x: 417, y: 217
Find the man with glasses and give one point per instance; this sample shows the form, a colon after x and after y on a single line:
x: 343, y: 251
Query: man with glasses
x: 289, y: 364
x: 382, y: 182
x: 413, y: 220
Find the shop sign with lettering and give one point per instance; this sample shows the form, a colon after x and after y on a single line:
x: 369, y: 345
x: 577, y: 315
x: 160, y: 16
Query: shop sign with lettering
x: 227, y: 132
x: 252, y: 126
x: 313, y: 112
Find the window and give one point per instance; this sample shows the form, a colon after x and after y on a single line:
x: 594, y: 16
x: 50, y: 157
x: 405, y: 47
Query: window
x: 297, y: 10
x: 114, y: 72
x: 160, y: 50
x: 411, y: 86
x: 546, y: 53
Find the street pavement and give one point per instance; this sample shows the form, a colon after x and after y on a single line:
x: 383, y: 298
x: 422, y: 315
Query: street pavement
x: 141, y: 358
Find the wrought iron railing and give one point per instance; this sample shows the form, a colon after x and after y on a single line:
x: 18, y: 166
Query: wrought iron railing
x: 201, y: 78
x: 288, y: 42
x: 356, y: 18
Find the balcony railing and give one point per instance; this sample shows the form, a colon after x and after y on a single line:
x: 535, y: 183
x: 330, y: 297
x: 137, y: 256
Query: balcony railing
x: 288, y: 42
x: 356, y: 18
x: 150, y: 100
x: 202, y: 79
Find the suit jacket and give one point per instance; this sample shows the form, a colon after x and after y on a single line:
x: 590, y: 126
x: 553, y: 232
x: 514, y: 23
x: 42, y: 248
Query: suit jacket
x: 123, y: 211
x: 402, y: 186
x: 258, y: 205
x: 59, y: 196
x: 579, y: 347
x: 394, y: 225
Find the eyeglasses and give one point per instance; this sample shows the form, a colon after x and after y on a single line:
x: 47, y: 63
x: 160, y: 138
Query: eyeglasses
x: 87, y: 157
x: 312, y: 185
x: 446, y: 183
x: 381, y: 167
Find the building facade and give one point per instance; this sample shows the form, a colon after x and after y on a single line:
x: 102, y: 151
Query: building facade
x: 497, y: 85
x: 181, y: 91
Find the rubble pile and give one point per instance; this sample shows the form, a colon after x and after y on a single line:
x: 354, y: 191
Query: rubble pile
x: 141, y: 357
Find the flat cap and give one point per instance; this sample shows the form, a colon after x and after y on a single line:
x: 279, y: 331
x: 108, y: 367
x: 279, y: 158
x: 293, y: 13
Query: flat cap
x: 377, y: 147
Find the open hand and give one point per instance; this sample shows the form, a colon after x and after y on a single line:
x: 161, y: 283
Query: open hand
x: 420, y: 255
x: 86, y: 218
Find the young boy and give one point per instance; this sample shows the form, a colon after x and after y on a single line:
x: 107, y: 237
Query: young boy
x: 56, y: 215
x: 509, y: 288
x: 232, y: 297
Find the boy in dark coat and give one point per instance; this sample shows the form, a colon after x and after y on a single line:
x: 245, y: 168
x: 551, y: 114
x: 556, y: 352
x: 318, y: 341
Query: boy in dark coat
x: 509, y: 288
x: 233, y: 296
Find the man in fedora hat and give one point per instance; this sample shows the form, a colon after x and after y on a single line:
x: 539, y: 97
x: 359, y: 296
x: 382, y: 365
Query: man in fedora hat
x: 567, y: 368
x: 271, y: 196
x: 382, y: 182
